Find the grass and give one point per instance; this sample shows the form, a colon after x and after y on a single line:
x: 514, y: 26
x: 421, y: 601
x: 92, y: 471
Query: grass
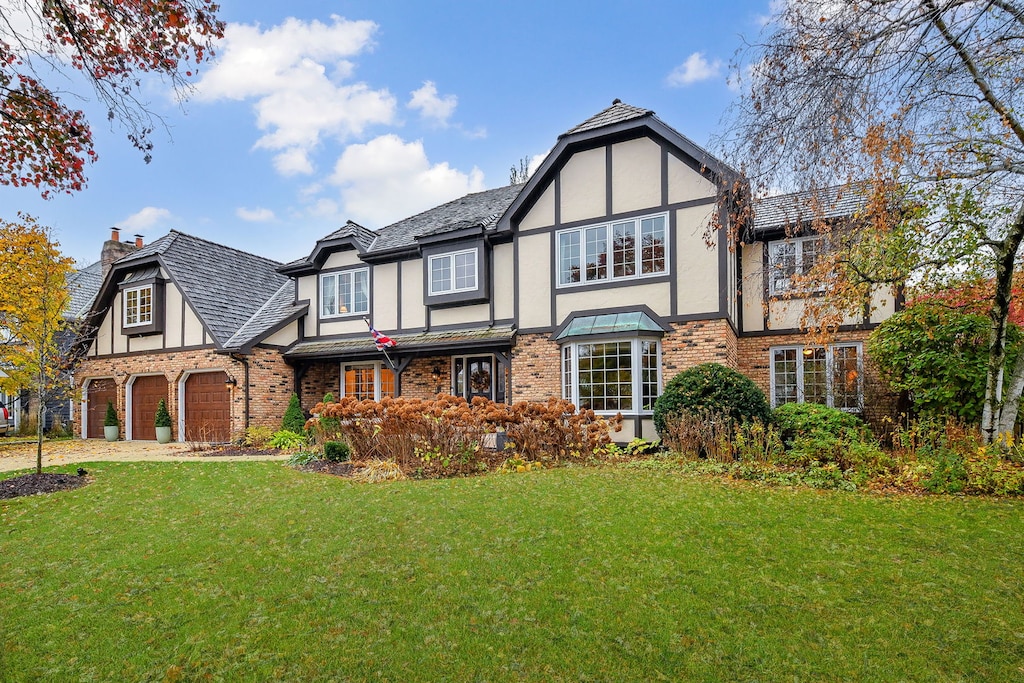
x: 252, y: 571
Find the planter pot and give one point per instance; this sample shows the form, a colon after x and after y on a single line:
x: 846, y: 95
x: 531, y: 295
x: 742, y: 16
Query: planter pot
x: 111, y: 433
x: 163, y: 434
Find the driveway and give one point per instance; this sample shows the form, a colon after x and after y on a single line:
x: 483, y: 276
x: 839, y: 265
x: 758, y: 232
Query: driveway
x: 19, y: 456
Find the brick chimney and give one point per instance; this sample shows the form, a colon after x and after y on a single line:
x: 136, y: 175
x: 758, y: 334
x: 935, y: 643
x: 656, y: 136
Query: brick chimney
x: 114, y: 248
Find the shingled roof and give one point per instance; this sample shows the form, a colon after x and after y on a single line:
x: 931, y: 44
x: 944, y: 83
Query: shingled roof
x: 476, y: 209
x: 83, y: 286
x: 797, y: 208
x: 617, y: 113
x: 226, y: 287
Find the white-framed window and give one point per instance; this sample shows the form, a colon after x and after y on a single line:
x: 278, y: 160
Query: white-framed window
x: 620, y: 250
x: 367, y: 381
x: 453, y: 272
x: 790, y: 257
x: 830, y: 375
x: 138, y: 306
x: 345, y: 293
x: 622, y: 375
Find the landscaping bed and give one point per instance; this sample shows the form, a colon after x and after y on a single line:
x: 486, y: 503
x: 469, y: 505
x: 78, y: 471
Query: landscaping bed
x: 32, y: 484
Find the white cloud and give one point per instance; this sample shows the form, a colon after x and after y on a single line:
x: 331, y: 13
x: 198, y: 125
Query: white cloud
x: 695, y: 69
x: 387, y: 179
x: 298, y: 73
x: 257, y: 215
x: 293, y: 161
x: 144, y: 219
x: 431, y: 107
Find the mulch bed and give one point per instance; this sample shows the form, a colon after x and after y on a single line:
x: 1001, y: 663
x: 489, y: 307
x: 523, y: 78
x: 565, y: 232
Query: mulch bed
x: 235, y: 450
x: 31, y: 484
x: 340, y: 469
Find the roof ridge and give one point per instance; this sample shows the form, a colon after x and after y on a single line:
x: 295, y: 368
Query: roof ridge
x: 443, y: 204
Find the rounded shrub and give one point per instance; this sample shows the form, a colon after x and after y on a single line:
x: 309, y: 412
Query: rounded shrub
x: 802, y: 420
x: 711, y: 388
x: 336, y: 451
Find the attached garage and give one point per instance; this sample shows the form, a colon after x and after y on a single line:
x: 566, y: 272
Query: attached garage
x: 146, y: 392
x: 207, y: 407
x: 99, y: 392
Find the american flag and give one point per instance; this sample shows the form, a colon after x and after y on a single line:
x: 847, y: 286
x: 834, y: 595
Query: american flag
x: 381, y: 340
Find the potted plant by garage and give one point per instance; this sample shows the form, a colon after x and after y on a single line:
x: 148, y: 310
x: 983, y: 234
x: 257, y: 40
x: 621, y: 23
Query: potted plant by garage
x: 163, y: 423
x: 111, y: 425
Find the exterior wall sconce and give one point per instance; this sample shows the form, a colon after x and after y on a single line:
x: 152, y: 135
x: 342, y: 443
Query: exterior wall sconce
x: 230, y: 381
x: 435, y: 374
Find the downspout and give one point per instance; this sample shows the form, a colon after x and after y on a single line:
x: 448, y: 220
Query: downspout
x: 244, y: 360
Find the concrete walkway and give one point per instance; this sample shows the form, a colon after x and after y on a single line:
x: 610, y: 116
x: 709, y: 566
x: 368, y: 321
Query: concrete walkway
x: 19, y: 456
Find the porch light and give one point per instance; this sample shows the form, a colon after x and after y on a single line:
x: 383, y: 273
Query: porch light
x: 435, y: 374
x: 230, y: 382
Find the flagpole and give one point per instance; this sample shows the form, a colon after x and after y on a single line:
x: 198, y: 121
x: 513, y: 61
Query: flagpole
x: 383, y: 349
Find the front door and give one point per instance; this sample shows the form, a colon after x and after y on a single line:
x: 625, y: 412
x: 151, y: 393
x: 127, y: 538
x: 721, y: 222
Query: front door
x: 474, y: 376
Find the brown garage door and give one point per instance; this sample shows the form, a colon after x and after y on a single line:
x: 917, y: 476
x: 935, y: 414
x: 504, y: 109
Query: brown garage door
x: 100, y: 391
x: 207, y: 407
x: 146, y: 394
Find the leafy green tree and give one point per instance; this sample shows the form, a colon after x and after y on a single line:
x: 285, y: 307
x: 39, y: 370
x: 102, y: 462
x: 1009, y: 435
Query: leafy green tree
x: 938, y: 356
x: 916, y: 108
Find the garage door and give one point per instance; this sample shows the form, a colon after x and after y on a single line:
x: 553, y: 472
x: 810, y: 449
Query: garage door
x: 207, y: 407
x: 100, y: 391
x: 146, y: 394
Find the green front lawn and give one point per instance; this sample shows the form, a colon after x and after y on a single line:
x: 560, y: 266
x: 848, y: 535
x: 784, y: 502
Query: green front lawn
x: 252, y: 571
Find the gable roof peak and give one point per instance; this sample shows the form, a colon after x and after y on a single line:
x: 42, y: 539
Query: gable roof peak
x: 617, y: 113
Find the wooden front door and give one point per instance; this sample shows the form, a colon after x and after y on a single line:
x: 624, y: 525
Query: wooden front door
x: 99, y: 392
x: 207, y: 408
x: 146, y: 394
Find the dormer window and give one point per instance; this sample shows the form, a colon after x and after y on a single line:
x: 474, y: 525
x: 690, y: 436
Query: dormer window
x: 138, y: 306
x: 345, y: 293
x: 453, y: 272
x: 142, y: 303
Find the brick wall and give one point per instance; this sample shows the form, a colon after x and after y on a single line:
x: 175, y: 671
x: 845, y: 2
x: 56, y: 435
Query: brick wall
x: 318, y: 380
x: 536, y: 368
x: 755, y: 363
x: 418, y: 380
x: 270, y: 381
x: 693, y: 343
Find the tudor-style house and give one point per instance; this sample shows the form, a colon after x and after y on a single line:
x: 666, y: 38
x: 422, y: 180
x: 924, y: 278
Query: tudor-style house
x: 599, y: 279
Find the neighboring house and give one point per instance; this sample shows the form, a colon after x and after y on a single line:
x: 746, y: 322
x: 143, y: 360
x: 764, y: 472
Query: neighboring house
x: 593, y: 281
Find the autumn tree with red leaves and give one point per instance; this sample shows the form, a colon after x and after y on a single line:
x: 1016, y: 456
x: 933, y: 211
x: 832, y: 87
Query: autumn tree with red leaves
x: 916, y: 105
x: 113, y: 44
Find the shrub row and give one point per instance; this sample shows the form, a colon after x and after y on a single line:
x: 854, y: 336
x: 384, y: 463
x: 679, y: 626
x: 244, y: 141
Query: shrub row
x: 445, y: 436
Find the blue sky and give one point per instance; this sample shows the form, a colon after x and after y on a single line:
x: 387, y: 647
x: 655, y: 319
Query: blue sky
x: 314, y: 113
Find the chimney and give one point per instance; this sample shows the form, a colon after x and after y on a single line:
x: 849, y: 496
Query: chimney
x: 114, y: 249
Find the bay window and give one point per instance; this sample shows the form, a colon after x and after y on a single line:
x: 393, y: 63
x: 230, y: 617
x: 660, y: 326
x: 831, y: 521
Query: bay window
x: 612, y: 376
